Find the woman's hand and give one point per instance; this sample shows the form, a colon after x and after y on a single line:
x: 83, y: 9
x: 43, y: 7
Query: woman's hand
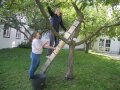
x: 53, y: 48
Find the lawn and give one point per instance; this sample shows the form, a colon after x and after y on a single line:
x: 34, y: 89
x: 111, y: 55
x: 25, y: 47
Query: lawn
x: 91, y: 72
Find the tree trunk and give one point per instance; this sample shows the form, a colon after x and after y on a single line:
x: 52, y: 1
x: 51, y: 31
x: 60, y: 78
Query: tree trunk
x: 69, y: 74
x: 87, y: 46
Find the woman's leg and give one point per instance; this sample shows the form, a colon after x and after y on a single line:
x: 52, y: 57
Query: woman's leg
x: 38, y: 60
x: 52, y: 39
x: 56, y: 41
x: 34, y: 64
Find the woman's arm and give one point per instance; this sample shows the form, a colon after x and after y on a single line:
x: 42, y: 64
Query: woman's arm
x: 50, y: 11
x: 49, y: 47
x: 61, y: 24
x: 46, y: 45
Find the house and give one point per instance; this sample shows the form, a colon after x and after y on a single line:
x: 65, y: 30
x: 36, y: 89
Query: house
x: 105, y: 44
x: 10, y: 38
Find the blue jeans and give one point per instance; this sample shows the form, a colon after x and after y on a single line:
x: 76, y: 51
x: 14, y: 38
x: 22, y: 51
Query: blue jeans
x: 54, y: 41
x: 35, y: 61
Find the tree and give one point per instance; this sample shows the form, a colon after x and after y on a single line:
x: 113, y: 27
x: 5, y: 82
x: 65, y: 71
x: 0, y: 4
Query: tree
x: 71, y: 43
x: 93, y: 18
x: 97, y: 13
x: 11, y: 12
x: 76, y: 9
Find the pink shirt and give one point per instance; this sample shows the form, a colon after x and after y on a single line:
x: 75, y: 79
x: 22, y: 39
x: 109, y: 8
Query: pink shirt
x: 37, y: 45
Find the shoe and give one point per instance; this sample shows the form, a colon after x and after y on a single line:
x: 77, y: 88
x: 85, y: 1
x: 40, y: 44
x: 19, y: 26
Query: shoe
x: 48, y: 57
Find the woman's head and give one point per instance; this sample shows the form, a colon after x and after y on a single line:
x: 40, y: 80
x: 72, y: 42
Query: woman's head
x: 58, y: 11
x: 35, y: 35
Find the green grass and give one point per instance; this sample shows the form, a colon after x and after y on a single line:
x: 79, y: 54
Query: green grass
x: 91, y: 72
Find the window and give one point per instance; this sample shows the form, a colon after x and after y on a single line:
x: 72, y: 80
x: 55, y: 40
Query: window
x: 107, y: 45
x: 104, y: 45
x: 26, y: 33
x: 25, y: 37
x: 119, y: 38
x: 101, y: 44
x: 6, y: 33
x: 18, y: 34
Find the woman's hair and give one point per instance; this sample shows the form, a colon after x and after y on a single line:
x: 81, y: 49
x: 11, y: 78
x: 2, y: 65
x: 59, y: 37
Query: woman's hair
x: 33, y: 36
x: 57, y: 10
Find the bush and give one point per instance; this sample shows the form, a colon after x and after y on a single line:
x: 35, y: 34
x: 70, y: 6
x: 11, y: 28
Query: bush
x: 24, y: 45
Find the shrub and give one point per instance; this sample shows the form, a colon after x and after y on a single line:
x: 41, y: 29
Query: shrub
x: 24, y: 45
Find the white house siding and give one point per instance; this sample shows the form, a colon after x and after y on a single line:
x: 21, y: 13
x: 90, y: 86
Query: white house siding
x: 114, y: 45
x: 96, y: 45
x: 77, y: 47
x: 10, y: 42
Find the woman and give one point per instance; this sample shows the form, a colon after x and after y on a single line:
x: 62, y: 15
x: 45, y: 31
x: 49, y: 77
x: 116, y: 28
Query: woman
x: 37, y: 48
x: 56, y: 21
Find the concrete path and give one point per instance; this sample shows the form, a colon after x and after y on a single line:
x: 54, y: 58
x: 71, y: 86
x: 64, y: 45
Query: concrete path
x: 113, y: 56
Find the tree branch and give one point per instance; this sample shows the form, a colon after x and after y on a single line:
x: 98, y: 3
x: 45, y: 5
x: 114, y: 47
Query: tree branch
x: 95, y: 33
x: 11, y: 4
x: 25, y: 28
x: 16, y: 25
x: 81, y: 18
x: 79, y: 12
x: 20, y: 31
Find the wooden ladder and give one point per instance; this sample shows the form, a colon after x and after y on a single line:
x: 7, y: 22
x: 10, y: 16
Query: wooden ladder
x: 61, y: 44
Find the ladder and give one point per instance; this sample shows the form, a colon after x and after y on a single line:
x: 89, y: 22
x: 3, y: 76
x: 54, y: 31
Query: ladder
x: 61, y: 44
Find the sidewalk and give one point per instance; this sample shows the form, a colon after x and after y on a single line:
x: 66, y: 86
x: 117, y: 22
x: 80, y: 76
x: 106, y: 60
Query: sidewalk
x: 113, y: 56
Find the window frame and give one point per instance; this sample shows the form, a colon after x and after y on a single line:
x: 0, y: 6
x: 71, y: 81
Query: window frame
x: 101, y: 44
x: 7, y: 33
x: 25, y: 36
x: 18, y: 34
x: 107, y: 45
